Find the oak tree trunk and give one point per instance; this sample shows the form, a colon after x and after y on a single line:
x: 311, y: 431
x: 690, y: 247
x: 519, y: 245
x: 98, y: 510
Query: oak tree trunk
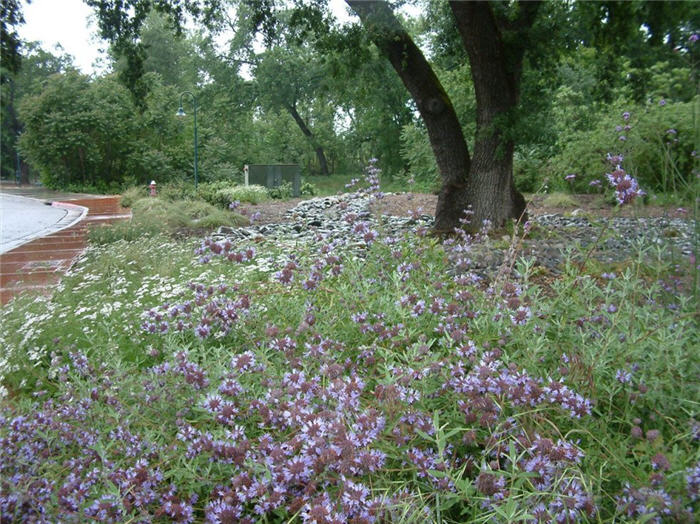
x: 496, y: 71
x: 435, y: 107
x: 484, y: 182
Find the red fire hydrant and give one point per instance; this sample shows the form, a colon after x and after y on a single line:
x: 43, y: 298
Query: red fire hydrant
x: 153, y: 188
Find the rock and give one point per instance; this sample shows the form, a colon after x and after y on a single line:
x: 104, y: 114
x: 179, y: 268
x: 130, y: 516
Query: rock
x: 324, y: 217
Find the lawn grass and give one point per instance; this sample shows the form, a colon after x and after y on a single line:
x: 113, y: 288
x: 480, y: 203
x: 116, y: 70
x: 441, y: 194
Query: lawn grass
x: 335, y: 183
x: 380, y: 381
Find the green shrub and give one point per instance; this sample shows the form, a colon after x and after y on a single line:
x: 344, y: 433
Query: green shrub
x: 132, y: 194
x: 280, y: 192
x: 308, y: 189
x: 659, y: 158
x: 252, y: 194
x: 218, y: 218
x: 207, y: 191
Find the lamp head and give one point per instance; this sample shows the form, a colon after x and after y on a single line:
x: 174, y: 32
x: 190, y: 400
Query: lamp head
x: 180, y: 112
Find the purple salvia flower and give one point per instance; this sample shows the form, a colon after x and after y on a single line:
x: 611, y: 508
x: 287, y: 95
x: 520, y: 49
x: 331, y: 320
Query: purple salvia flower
x: 623, y: 376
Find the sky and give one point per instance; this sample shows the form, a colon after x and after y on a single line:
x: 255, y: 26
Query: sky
x: 72, y: 24
x: 65, y: 22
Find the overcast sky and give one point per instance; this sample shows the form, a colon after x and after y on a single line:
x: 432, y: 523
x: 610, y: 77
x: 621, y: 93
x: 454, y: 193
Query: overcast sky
x: 64, y: 22
x: 71, y: 24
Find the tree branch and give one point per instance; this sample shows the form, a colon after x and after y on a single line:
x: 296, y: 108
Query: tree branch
x: 434, y: 106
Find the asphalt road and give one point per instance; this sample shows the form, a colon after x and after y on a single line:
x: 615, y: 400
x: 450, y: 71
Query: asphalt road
x: 23, y: 219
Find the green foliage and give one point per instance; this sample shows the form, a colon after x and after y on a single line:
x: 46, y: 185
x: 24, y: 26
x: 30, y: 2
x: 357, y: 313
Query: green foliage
x: 176, y: 191
x: 659, y: 158
x: 205, y: 191
x: 308, y: 189
x: 281, y: 192
x: 84, y: 133
x: 10, y: 19
x: 462, y: 382
x: 124, y: 231
x: 578, y: 60
x: 132, y: 194
x: 78, y: 132
x: 36, y: 66
x: 528, y: 169
x: 418, y: 155
x: 251, y: 194
x: 157, y: 216
x: 222, y: 193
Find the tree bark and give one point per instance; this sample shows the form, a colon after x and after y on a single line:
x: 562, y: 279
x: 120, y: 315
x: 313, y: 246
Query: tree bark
x: 435, y: 107
x: 484, y: 182
x: 320, y: 155
x: 496, y: 70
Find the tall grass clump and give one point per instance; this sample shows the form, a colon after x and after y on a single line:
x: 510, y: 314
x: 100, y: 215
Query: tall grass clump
x: 221, y: 194
x: 155, y: 216
x: 375, y: 379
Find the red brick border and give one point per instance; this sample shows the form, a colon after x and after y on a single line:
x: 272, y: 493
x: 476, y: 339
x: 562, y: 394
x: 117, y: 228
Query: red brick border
x: 38, y: 266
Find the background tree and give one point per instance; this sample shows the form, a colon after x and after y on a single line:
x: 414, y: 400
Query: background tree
x: 289, y: 79
x: 495, y: 41
x: 372, y: 106
x: 36, y: 66
x: 476, y: 130
x: 10, y: 19
x: 171, y: 55
x: 78, y: 132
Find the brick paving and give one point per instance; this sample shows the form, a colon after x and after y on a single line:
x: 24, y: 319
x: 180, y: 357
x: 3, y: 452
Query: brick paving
x: 37, y: 266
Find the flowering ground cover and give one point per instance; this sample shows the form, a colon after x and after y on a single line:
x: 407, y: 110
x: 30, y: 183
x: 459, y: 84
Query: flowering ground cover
x: 378, y: 380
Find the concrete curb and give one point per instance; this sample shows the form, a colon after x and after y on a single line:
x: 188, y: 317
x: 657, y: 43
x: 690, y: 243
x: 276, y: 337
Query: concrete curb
x: 75, y: 214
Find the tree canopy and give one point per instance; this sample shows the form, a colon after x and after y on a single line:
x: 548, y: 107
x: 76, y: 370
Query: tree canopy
x: 474, y: 100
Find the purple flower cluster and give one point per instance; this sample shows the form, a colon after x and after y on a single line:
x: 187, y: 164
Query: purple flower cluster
x: 182, y: 366
x: 61, y: 434
x: 224, y: 249
x: 652, y: 504
x: 490, y: 382
x: 371, y: 179
x: 626, y: 187
x: 552, y: 468
x: 218, y: 313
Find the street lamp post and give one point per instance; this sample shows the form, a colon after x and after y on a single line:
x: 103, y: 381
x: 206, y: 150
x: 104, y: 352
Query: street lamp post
x: 181, y: 112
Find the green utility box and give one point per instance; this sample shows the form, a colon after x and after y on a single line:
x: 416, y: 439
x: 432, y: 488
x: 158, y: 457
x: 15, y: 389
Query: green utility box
x: 274, y: 175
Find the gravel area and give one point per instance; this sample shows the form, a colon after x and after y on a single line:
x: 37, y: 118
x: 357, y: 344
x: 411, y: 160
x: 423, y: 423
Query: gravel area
x: 554, y: 233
